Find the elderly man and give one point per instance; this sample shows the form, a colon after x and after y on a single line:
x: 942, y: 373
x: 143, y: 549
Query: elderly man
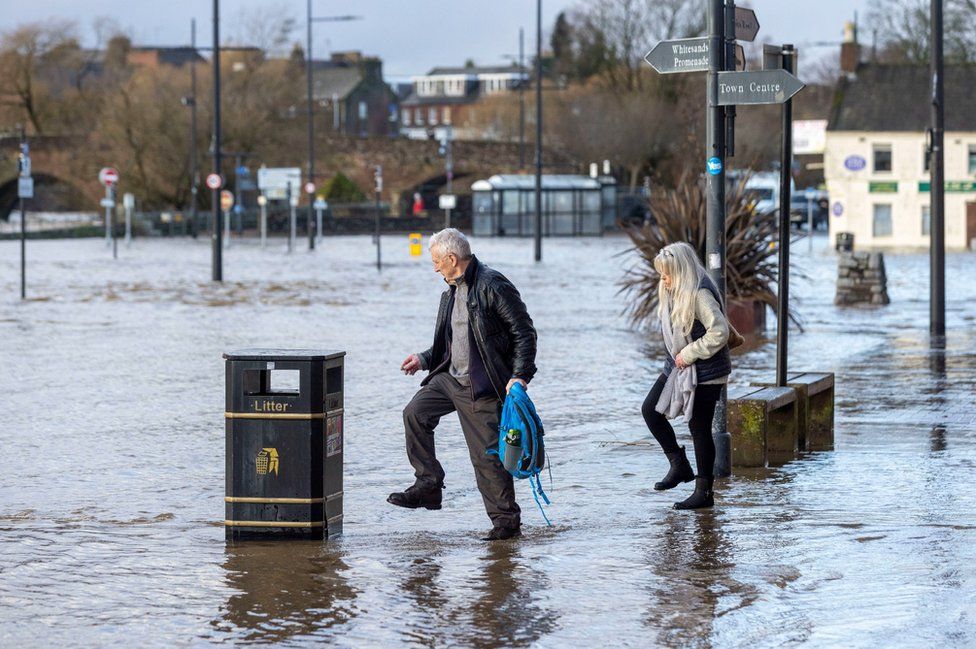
x: 484, y: 343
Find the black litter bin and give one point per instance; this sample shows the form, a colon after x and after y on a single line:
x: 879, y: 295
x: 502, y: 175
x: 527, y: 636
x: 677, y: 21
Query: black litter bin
x: 284, y: 443
x: 844, y: 242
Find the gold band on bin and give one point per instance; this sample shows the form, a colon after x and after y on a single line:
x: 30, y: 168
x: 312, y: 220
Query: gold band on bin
x: 273, y: 524
x: 274, y: 415
x: 274, y: 501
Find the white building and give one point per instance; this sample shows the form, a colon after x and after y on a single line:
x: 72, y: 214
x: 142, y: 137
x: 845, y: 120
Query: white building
x: 875, y: 160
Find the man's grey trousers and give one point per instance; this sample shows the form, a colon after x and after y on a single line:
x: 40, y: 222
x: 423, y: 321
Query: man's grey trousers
x: 479, y: 421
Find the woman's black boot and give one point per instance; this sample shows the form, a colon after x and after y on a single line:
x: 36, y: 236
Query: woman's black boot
x: 679, y: 472
x: 702, y: 497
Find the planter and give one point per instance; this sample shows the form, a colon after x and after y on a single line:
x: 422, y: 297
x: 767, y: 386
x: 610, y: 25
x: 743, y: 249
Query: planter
x: 747, y: 316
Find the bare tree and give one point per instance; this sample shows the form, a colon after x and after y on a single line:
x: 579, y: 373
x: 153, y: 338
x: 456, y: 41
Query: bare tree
x: 901, y: 29
x: 626, y: 29
x: 25, y: 55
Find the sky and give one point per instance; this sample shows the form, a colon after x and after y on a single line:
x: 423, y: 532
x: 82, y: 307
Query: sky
x: 410, y: 36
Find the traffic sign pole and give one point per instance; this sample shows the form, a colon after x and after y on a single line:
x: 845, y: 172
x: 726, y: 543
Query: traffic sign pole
x: 310, y: 191
x: 217, y: 269
x: 715, y: 204
x: 783, y: 281
x: 291, y: 218
x: 25, y: 171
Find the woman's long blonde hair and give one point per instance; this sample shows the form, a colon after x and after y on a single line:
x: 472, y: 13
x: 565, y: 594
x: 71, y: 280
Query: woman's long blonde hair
x: 680, y: 262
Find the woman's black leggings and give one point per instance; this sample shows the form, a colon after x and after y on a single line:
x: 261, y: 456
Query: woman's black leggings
x: 700, y: 424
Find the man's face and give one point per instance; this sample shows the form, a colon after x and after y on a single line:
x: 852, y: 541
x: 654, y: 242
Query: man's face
x: 446, y: 265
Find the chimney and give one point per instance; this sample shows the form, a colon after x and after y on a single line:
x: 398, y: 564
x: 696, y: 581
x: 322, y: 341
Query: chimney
x: 850, y: 51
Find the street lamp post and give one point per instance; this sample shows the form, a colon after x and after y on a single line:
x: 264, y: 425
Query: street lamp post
x: 308, y: 101
x: 538, y: 132
x: 217, y: 244
x: 191, y: 103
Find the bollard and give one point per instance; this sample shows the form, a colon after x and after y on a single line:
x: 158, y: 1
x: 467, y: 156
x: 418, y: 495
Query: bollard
x: 416, y: 244
x: 283, y: 444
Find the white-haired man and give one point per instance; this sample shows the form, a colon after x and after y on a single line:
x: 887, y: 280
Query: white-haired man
x: 484, y: 343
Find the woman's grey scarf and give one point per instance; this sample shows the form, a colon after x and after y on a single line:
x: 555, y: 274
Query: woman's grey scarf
x: 678, y: 396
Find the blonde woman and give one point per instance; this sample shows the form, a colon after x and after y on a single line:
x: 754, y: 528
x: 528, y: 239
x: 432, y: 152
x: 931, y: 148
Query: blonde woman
x: 697, y: 365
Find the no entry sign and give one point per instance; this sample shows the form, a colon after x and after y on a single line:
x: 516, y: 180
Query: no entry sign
x: 108, y: 176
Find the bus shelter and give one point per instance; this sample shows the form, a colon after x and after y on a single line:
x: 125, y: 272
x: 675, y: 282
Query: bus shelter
x: 504, y: 205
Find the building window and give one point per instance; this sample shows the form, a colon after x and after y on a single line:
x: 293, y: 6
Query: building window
x: 447, y: 114
x: 362, y: 111
x: 882, y: 157
x: 881, y: 227
x: 419, y: 116
x: 406, y: 117
x: 926, y: 158
x: 926, y: 221
x: 971, y: 158
x: 432, y: 115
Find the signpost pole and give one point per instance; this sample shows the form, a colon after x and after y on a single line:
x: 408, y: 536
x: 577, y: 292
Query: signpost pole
x: 715, y: 204
x: 115, y: 238
x: 379, y: 190
x: 810, y: 222
x: 450, y: 174
x: 318, y: 224
x: 263, y: 203
x: 291, y: 218
x: 24, y: 173
x: 785, y: 174
x: 937, y: 180
x: 108, y: 216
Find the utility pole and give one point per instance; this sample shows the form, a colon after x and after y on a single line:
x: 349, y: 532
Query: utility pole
x: 783, y: 281
x: 217, y: 231
x: 715, y: 203
x: 538, y: 131
x: 521, y: 66
x: 308, y: 118
x: 194, y: 173
x: 937, y: 180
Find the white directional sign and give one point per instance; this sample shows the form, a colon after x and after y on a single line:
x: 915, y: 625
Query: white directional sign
x: 107, y: 202
x: 447, y: 201
x: 746, y: 25
x: 25, y: 187
x: 757, y: 87
x: 687, y: 55
x: 273, y: 181
x: 682, y: 55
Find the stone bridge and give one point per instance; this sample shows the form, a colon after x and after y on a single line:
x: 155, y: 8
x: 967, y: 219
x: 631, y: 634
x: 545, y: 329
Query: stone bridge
x: 65, y: 172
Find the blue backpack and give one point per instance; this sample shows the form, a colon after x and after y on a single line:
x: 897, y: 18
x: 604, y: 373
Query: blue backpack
x: 527, y: 459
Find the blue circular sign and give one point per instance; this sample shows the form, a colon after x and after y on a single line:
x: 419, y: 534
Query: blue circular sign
x: 714, y: 166
x: 837, y: 208
x: 855, y: 163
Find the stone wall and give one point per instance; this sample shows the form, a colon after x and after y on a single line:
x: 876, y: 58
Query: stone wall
x: 861, y: 279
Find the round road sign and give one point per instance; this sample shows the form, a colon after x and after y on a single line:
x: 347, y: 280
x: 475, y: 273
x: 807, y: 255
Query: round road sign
x: 214, y: 181
x: 310, y: 188
x: 108, y: 176
x: 226, y: 200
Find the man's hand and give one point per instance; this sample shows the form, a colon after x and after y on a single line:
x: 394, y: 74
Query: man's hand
x: 410, y: 365
x: 680, y: 362
x: 513, y: 382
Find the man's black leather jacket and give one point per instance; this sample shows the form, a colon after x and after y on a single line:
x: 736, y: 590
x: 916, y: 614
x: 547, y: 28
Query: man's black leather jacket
x: 500, y: 330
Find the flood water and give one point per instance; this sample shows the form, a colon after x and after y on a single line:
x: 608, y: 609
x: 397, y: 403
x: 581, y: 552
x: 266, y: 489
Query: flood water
x: 112, y: 446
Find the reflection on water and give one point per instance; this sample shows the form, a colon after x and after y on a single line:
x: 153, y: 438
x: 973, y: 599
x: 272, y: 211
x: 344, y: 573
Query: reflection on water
x: 285, y: 590
x: 112, y: 482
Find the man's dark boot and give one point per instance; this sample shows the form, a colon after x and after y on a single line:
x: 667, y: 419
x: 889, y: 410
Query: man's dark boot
x: 503, y: 533
x: 701, y: 498
x: 415, y: 497
x: 679, y: 472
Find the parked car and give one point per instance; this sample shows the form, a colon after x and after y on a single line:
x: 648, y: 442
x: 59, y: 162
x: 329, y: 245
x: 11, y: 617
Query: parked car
x: 764, y: 188
x: 800, y: 202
